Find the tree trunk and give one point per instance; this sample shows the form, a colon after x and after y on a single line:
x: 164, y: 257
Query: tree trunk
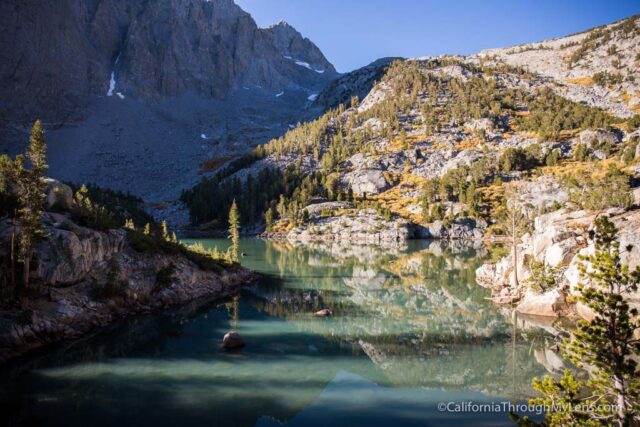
x: 622, y: 403
x: 27, y: 268
x: 13, y: 259
x: 515, y: 251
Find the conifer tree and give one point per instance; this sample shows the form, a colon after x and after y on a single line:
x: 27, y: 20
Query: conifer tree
x: 165, y: 231
x: 268, y: 218
x: 515, y: 225
x: 605, y: 346
x: 234, y: 230
x: 31, y: 187
x: 607, y: 342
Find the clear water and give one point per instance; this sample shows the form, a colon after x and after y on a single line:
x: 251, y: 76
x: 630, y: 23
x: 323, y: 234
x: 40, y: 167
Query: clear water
x: 410, y: 329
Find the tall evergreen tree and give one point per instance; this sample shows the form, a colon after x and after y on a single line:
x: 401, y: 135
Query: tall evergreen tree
x: 605, y: 345
x: 165, y: 230
x: 234, y: 230
x: 515, y: 224
x: 31, y: 187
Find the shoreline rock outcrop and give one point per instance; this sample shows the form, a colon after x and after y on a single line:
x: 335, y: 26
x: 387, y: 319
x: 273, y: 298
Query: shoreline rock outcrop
x: 360, y: 226
x: 558, y: 240
x: 84, y: 279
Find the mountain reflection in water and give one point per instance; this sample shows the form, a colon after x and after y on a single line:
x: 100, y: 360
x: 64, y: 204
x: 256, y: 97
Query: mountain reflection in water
x: 410, y: 328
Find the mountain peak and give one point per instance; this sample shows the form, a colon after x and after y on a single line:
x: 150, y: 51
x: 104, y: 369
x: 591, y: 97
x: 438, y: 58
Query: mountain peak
x: 294, y: 46
x: 280, y: 24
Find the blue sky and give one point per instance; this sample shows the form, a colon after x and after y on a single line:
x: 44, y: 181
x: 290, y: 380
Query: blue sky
x: 352, y: 33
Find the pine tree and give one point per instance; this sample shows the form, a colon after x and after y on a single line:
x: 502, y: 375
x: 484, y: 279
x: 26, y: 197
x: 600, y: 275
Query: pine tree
x: 165, y: 231
x: 605, y: 345
x: 282, y: 208
x: 543, y: 277
x: 31, y: 194
x: 234, y: 230
x: 607, y: 342
x: 82, y: 198
x: 515, y: 224
x: 268, y: 218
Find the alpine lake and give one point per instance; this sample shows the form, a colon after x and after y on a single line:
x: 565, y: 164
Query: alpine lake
x: 412, y: 339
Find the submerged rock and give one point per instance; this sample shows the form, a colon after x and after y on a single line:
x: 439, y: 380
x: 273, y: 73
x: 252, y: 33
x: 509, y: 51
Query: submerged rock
x: 232, y: 340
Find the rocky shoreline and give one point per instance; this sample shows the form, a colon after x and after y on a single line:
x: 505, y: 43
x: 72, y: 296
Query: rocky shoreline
x: 558, y: 240
x: 85, y: 279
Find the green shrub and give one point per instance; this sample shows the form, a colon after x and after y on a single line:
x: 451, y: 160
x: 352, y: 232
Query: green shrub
x: 114, y: 287
x: 550, y: 113
x: 613, y: 190
x: 165, y: 276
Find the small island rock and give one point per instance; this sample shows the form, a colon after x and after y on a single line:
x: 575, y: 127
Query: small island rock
x: 232, y: 340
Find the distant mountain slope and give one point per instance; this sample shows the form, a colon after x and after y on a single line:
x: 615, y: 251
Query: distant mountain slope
x: 433, y: 139
x: 356, y: 83
x: 600, y: 66
x: 134, y: 89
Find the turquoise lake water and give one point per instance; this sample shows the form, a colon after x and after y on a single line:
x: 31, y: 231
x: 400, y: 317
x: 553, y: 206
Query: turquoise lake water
x: 410, y: 330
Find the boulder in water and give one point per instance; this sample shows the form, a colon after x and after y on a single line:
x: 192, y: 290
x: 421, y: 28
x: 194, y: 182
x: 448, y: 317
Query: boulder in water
x: 232, y: 340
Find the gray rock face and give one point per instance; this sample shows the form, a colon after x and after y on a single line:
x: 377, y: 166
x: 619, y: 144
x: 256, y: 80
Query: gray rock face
x: 592, y: 137
x: 70, y: 253
x: 460, y: 229
x: 147, y: 49
x: 559, y: 239
x: 365, y: 226
x: 316, y: 210
x: 356, y: 83
x: 549, y: 304
x: 366, y: 181
x: 548, y: 58
x: 75, y: 261
x: 59, y: 195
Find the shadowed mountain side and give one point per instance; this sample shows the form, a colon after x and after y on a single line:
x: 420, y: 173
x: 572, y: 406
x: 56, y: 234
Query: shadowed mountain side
x: 155, y: 150
x: 135, y: 95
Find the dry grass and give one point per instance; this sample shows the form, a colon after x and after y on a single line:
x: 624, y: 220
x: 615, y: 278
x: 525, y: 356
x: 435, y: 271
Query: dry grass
x: 596, y: 170
x: 397, y: 145
x: 396, y: 200
x: 469, y: 144
x: 582, y: 81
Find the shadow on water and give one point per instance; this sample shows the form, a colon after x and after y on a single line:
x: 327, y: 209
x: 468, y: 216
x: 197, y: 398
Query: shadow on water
x: 409, y: 329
